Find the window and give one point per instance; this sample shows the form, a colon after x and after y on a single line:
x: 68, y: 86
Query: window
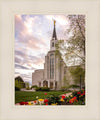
x: 45, y: 83
x: 52, y: 44
x: 48, y: 67
x: 51, y: 85
x: 51, y: 67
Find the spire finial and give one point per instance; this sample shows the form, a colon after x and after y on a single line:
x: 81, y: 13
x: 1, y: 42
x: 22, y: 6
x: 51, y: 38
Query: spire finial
x: 54, y: 22
x: 54, y: 30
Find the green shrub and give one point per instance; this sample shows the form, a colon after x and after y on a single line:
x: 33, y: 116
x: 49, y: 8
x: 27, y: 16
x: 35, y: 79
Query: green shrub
x: 38, y: 89
x: 17, y: 89
x: 34, y: 86
x: 74, y: 93
x: 64, y: 88
x: 45, y: 89
x: 42, y: 89
x: 74, y: 86
x: 27, y: 88
x: 79, y: 103
x: 53, y: 99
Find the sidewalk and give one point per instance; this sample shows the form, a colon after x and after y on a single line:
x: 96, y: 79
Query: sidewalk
x: 67, y: 94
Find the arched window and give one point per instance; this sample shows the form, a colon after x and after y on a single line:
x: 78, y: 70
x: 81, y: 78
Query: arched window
x: 51, y: 85
x: 45, y: 83
x: 51, y: 66
x: 52, y: 44
x: 48, y: 67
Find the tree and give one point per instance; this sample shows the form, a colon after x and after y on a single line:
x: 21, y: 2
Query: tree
x: 78, y: 74
x: 19, y: 82
x: 27, y: 85
x: 73, y: 49
x: 66, y: 84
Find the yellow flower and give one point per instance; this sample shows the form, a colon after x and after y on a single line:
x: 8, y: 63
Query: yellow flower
x: 37, y: 97
x: 80, y: 95
x: 62, y: 100
x: 30, y: 103
x: 71, y: 96
x: 54, y: 104
x: 40, y: 99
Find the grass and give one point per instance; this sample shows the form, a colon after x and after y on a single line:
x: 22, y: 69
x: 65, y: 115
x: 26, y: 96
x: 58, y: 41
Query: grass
x: 30, y: 96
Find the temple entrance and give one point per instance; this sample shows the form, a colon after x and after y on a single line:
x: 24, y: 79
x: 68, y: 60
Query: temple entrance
x: 51, y: 85
x: 45, y: 83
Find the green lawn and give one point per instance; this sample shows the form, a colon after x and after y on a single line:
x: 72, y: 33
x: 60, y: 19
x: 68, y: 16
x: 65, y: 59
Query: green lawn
x: 30, y: 96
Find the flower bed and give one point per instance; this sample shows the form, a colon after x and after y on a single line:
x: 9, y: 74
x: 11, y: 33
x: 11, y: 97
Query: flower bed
x: 76, y: 98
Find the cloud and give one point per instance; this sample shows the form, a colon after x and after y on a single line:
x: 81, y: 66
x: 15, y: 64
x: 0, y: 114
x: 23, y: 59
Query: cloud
x: 21, y: 53
x: 32, y: 41
x: 25, y: 32
x: 17, y: 60
x: 20, y: 67
x: 60, y: 19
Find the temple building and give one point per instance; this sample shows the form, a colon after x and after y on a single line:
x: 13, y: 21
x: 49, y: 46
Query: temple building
x: 55, y: 70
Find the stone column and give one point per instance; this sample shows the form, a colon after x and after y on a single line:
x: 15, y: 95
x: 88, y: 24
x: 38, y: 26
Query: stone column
x: 48, y: 83
x: 41, y: 83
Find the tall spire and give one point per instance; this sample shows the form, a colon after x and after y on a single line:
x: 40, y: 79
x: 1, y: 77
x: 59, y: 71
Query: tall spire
x: 54, y: 36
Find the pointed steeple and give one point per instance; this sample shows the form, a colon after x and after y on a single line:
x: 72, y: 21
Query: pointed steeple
x: 54, y: 36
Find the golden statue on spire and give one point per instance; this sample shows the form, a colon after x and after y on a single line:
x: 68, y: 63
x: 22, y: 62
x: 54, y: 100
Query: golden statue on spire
x: 54, y: 22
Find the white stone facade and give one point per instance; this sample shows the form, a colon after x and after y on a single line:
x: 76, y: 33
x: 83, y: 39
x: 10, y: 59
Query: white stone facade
x: 55, y: 70
x: 53, y: 73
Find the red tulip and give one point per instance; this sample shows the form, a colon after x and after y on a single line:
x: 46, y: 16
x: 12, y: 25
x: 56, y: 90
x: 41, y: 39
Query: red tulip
x: 70, y: 101
x: 78, y: 93
x: 74, y: 97
x: 22, y: 103
x: 83, y: 92
x: 45, y: 93
x: 46, y: 100
x: 34, y: 101
x: 63, y: 97
x: 46, y: 104
x: 26, y: 103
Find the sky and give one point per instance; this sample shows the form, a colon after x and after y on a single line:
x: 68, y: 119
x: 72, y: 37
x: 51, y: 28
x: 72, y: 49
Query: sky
x: 32, y: 41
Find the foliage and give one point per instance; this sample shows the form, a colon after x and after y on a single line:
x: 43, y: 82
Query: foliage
x: 66, y: 82
x: 64, y: 88
x: 19, y: 83
x: 34, y: 86
x: 42, y: 89
x: 53, y: 99
x: 76, y: 42
x: 74, y: 86
x: 73, y: 48
x: 79, y: 103
x: 29, y: 96
x: 78, y: 72
x: 17, y: 88
x: 75, y: 93
x: 45, y: 89
x: 27, y: 85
